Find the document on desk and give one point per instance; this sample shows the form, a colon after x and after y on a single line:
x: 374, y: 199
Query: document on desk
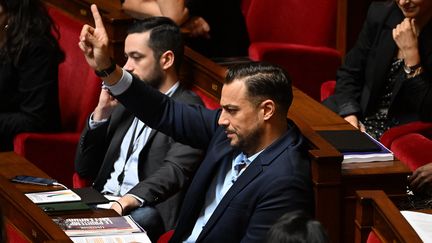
x: 121, y: 238
x: 357, y: 146
x: 421, y: 223
x: 98, y: 226
x: 53, y: 196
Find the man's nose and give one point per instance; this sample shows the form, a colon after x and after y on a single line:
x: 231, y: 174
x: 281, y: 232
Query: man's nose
x: 223, y: 121
x: 128, y: 66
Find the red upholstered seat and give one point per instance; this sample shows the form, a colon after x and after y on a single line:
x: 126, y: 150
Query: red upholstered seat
x: 373, y: 238
x: 327, y: 89
x: 411, y: 143
x: 14, y: 235
x: 78, y: 94
x: 165, y: 238
x: 288, y: 35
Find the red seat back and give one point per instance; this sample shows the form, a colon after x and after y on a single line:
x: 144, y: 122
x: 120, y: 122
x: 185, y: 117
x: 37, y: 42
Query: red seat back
x: 78, y: 85
x: 306, y: 22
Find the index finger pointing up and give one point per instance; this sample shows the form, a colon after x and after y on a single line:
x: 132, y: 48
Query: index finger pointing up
x: 97, y: 18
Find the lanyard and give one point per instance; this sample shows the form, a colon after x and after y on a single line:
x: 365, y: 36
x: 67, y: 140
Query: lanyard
x: 134, y: 140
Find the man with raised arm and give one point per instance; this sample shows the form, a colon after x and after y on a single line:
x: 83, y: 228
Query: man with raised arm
x: 147, y: 169
x: 256, y: 166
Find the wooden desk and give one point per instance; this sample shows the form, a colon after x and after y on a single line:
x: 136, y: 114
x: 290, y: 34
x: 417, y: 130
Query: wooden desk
x: 22, y: 214
x: 376, y: 212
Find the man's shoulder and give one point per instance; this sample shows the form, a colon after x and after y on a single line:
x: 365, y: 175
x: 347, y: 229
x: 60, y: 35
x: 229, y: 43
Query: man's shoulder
x: 187, y: 96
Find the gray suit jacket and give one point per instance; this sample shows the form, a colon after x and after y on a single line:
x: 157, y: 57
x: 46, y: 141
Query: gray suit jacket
x: 165, y: 167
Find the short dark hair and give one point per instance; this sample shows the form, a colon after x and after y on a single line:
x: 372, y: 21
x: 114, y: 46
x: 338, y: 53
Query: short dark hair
x: 164, y: 36
x: 264, y: 81
x: 297, y: 227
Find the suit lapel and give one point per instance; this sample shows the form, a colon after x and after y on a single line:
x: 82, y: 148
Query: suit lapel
x: 113, y: 150
x: 385, y: 52
x: 251, y: 172
x: 195, y: 197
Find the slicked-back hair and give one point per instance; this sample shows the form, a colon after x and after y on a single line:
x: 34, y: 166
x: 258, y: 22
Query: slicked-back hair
x: 297, y: 227
x: 264, y: 81
x: 26, y: 20
x: 164, y: 36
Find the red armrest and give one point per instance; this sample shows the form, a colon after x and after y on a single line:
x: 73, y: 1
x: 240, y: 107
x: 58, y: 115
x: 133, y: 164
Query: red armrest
x: 410, y: 143
x: 413, y: 149
x: 373, y: 238
x: 393, y: 133
x: 54, y: 153
x: 308, y: 66
x: 80, y: 182
x: 165, y: 238
x: 327, y: 89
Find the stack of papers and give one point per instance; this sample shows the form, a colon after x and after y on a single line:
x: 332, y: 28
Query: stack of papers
x: 120, y: 238
x: 357, y: 146
x: 53, y: 196
x: 98, y: 226
x: 421, y: 223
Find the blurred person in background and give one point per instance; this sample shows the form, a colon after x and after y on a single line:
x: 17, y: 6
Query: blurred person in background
x: 29, y: 59
x: 386, y: 78
x: 215, y: 28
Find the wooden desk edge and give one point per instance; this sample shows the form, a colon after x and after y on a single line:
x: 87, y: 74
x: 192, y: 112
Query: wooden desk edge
x: 375, y: 203
x: 31, y: 221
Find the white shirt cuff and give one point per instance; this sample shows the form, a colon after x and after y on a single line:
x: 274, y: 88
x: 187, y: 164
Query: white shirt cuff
x: 142, y: 201
x: 94, y: 124
x: 122, y: 85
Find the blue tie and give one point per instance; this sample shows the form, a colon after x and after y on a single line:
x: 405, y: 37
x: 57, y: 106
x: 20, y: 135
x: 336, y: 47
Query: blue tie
x: 241, y: 164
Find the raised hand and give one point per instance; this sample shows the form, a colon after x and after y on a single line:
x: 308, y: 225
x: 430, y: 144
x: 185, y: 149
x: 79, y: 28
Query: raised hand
x: 94, y: 42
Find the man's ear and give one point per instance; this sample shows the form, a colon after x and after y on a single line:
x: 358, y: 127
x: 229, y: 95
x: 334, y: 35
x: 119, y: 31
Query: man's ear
x: 167, y: 60
x: 269, y: 109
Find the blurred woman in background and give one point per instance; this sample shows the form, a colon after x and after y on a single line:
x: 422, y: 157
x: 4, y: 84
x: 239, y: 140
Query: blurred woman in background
x: 386, y: 78
x: 29, y: 59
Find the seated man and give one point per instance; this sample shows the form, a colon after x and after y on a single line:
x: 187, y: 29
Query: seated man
x: 126, y: 157
x: 256, y: 167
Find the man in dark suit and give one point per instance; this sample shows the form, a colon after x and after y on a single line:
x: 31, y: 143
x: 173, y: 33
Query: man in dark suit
x: 125, y: 157
x: 256, y: 166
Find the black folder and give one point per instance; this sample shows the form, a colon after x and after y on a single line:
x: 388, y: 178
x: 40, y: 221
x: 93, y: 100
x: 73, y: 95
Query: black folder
x: 350, y: 140
x: 89, y: 195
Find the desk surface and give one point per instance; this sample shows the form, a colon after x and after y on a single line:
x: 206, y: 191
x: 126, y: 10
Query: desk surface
x: 31, y: 222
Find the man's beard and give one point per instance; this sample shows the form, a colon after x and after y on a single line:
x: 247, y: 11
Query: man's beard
x: 156, y: 78
x: 248, y: 142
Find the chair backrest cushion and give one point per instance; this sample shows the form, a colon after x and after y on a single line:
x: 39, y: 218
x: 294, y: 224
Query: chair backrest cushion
x: 78, y: 85
x: 307, y: 22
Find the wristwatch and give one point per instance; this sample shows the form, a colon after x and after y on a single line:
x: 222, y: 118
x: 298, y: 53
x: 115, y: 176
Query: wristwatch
x: 411, y: 69
x: 106, y: 72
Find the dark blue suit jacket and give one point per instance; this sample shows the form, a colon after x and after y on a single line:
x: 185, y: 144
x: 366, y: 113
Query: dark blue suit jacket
x: 278, y: 181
